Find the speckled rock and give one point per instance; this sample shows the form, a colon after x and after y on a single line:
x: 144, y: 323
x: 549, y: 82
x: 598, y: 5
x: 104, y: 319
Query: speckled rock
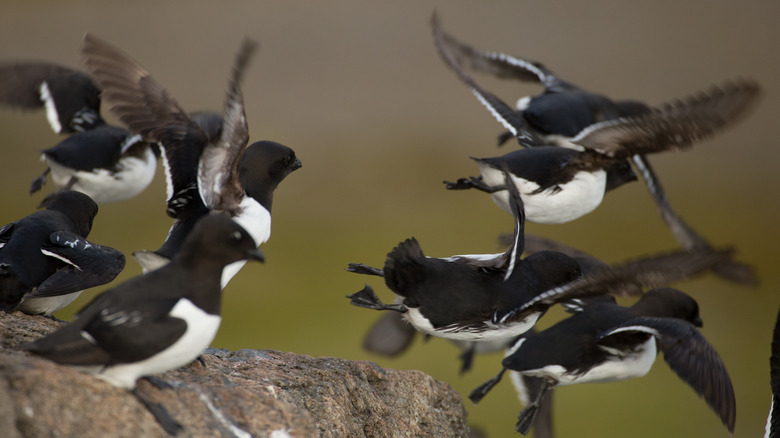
x: 258, y: 393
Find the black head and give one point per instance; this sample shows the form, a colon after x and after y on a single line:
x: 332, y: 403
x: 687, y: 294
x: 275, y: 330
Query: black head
x: 80, y: 208
x: 263, y: 166
x: 218, y: 240
x: 630, y: 108
x: 618, y: 174
x: 667, y: 302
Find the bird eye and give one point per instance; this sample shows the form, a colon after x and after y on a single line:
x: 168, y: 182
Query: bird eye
x: 237, y: 235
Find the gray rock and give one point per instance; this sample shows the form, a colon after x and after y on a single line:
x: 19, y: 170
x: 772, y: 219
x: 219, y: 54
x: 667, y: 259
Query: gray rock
x: 242, y: 394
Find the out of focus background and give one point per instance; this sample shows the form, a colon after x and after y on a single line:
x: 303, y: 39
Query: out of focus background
x: 357, y: 89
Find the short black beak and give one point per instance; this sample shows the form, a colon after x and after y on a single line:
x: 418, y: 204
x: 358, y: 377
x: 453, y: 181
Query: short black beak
x: 256, y: 254
x: 297, y: 164
x: 698, y: 322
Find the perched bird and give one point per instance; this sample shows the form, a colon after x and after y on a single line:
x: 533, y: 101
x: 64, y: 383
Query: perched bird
x: 605, y: 342
x: 500, y: 296
x: 207, y: 169
x: 773, y: 419
x: 108, y: 163
x: 568, y: 116
x: 45, y: 259
x: 158, y: 321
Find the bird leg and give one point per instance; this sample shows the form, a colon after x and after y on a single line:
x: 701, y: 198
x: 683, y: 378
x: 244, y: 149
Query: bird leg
x: 360, y: 268
x: 158, y: 411
x: 482, y: 390
x: 368, y: 299
x: 473, y: 183
x: 38, y: 182
x: 467, y: 358
x: 527, y: 416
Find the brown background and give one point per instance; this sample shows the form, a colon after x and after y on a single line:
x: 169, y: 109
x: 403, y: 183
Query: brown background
x: 358, y: 91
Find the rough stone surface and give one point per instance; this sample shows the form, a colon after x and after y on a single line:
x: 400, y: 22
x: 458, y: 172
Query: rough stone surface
x: 242, y: 393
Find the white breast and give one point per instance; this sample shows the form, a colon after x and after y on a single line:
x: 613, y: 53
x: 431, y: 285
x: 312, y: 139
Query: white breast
x: 256, y: 220
x: 576, y: 198
x: 201, y: 330
x: 619, y: 367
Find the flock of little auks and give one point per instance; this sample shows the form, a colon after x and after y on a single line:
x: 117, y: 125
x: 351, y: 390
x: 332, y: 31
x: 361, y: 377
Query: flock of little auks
x: 575, y: 147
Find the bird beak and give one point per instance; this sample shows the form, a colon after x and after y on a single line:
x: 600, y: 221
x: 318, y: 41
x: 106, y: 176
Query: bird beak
x: 698, y: 322
x: 256, y: 254
x: 297, y: 164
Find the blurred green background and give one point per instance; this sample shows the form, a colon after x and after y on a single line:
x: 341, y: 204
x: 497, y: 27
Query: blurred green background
x: 357, y: 89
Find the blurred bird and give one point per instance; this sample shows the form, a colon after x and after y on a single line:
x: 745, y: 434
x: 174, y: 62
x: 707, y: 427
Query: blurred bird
x: 499, y: 296
x: 605, y: 342
x: 45, y: 259
x: 158, y: 321
x: 391, y: 335
x: 108, y: 163
x: 605, y: 132
x: 208, y: 169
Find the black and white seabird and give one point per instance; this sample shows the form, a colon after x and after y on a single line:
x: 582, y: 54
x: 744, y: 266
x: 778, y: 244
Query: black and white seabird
x: 391, y: 335
x: 158, y: 321
x: 206, y: 171
x: 500, y: 296
x: 108, y: 163
x: 45, y: 259
x: 605, y: 342
x: 564, y: 113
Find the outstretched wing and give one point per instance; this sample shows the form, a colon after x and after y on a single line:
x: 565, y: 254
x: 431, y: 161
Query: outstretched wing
x: 71, y: 99
x: 692, y: 358
x: 147, y: 108
x: 499, y: 65
x: 218, y: 169
x: 89, y: 265
x: 505, y: 115
x: 630, y: 277
x: 674, y: 125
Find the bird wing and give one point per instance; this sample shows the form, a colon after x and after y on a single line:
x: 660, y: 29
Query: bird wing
x: 71, y: 99
x: 218, y: 168
x: 674, y: 125
x: 5, y: 233
x: 497, y: 64
x: 147, y: 108
x: 124, y: 333
x: 20, y: 81
x: 630, y: 277
x: 389, y: 336
x: 691, y: 357
x: 89, y: 265
x: 505, y: 115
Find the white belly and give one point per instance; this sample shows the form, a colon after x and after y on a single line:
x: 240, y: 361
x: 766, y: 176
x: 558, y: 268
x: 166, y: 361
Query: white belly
x: 201, y: 330
x: 576, y: 198
x: 636, y: 364
x: 134, y: 175
x: 490, y: 332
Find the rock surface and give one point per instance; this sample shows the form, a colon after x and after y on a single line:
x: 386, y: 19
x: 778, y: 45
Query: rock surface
x: 258, y: 393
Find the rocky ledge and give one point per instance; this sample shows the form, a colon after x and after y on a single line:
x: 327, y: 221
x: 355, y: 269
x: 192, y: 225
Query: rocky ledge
x: 257, y: 393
